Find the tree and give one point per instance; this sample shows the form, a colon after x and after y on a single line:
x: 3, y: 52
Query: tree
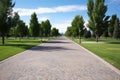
x: 97, y: 17
x: 42, y: 29
x: 116, y: 32
x: 90, y: 7
x: 26, y: 30
x: 22, y: 29
x: 47, y: 27
x: 111, y: 25
x: 34, y: 26
x: 14, y: 21
x: 69, y: 31
x: 5, y: 14
x: 78, y: 26
x: 54, y: 32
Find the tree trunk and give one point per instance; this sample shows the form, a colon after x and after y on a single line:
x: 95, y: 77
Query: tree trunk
x: 80, y: 39
x: 97, y: 38
x: 3, y: 39
x: 19, y: 38
x: 41, y: 40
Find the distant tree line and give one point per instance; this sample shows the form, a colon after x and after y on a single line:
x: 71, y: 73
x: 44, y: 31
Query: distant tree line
x: 12, y: 25
x: 43, y: 29
x: 98, y: 23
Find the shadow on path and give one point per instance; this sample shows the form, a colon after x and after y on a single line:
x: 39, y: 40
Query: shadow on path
x: 58, y: 42
x: 49, y: 48
x: 55, y: 45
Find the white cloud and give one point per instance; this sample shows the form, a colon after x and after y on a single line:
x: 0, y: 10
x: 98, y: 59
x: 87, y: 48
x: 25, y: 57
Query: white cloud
x: 62, y: 26
x: 43, y: 10
x: 110, y: 2
x: 42, y: 18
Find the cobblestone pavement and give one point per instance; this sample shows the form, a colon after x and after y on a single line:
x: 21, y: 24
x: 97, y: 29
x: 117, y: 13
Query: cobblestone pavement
x: 59, y: 59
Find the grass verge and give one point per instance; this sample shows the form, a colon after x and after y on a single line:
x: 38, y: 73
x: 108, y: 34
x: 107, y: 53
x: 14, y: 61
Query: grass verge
x: 109, y: 50
x: 15, y: 46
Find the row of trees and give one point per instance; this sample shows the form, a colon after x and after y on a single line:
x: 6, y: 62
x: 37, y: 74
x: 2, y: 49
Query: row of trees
x: 42, y: 29
x: 12, y: 25
x: 37, y: 29
x: 18, y: 27
x: 98, y: 23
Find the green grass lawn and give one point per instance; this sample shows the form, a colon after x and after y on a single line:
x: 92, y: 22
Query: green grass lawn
x: 109, y: 50
x: 15, y: 46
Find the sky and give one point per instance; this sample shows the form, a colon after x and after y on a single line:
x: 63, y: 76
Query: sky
x: 59, y: 12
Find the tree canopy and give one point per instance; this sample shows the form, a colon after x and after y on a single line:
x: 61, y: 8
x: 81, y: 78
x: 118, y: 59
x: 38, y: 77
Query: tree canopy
x: 97, y: 17
x: 54, y: 32
x: 77, y: 27
x: 34, y: 26
x: 5, y: 16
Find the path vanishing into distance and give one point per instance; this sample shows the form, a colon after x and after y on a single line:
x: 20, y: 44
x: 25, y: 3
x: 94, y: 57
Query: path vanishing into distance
x: 60, y: 59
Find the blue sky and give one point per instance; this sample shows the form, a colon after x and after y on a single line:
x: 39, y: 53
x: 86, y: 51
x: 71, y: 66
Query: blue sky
x: 59, y: 12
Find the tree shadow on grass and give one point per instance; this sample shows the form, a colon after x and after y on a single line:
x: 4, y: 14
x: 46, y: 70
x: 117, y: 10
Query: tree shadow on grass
x: 113, y: 42
x: 27, y: 41
x: 24, y: 46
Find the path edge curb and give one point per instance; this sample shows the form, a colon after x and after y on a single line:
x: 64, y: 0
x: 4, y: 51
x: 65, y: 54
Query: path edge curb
x: 105, y: 62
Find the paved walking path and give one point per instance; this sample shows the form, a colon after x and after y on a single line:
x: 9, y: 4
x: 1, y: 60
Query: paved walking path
x: 60, y: 59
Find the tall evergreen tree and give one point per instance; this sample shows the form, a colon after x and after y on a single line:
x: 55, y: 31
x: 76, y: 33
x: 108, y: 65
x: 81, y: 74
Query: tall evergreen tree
x: 77, y: 26
x: 14, y: 21
x: 34, y: 26
x: 5, y: 14
x: 116, y: 31
x: 54, y: 32
x: 21, y: 29
x: 90, y: 7
x: 69, y: 31
x: 111, y: 25
x: 97, y: 17
x: 42, y: 29
x: 47, y: 27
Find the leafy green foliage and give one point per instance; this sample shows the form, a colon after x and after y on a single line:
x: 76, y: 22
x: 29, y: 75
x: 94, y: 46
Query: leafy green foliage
x: 77, y: 25
x: 45, y: 28
x: 116, y: 33
x: 111, y: 25
x: 55, y: 32
x: 5, y: 15
x: 14, y: 21
x: 97, y: 18
x: 22, y: 29
x: 34, y: 26
x: 69, y: 31
x: 42, y: 29
x: 77, y: 28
